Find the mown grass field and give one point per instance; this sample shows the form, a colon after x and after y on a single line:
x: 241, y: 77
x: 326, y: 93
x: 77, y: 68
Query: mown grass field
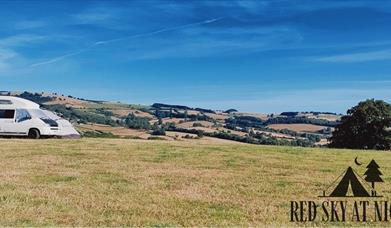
x: 119, y: 182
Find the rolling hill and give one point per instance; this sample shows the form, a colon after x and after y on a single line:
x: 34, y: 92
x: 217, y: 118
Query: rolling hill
x: 178, y: 122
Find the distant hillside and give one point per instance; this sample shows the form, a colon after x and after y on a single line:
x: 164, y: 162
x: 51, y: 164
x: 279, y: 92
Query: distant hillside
x: 179, y: 122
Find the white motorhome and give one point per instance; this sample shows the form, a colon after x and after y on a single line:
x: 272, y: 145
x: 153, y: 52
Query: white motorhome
x: 21, y: 117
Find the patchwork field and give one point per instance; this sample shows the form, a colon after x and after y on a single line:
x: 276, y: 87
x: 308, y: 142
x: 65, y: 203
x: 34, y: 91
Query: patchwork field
x: 119, y: 182
x: 103, y: 119
x: 297, y: 127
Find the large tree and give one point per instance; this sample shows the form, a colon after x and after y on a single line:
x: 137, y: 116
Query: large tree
x: 366, y: 126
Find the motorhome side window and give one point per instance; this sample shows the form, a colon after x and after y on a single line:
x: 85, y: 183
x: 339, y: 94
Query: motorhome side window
x: 7, y: 114
x: 22, y: 115
x: 5, y: 102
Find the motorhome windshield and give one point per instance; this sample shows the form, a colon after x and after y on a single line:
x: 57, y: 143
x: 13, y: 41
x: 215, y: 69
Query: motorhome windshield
x: 37, y: 113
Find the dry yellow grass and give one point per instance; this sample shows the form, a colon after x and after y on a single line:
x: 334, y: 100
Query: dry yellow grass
x: 277, y: 135
x: 172, y: 120
x: 257, y: 115
x: 328, y: 117
x: 190, y: 124
x: 143, y: 134
x: 297, y: 127
x: 65, y: 100
x: 179, y: 136
x: 117, y: 131
x: 126, y: 112
x: 118, y: 182
x: 218, y: 116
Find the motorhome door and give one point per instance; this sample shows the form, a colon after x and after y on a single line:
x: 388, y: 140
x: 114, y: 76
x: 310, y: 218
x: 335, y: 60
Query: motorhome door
x: 22, y: 122
x: 7, y: 121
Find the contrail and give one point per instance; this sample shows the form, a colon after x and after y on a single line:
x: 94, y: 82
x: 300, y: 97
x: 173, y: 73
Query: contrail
x: 59, y: 58
x: 103, y: 42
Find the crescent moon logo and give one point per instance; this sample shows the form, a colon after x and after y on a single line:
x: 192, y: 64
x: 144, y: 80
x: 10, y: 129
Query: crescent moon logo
x: 356, y: 161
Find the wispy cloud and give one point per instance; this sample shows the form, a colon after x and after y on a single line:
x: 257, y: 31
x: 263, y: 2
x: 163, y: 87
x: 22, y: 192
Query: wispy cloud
x: 5, y: 56
x: 9, y: 57
x: 29, y: 24
x: 59, y: 58
x: 358, y: 57
x: 21, y: 40
x: 212, y: 42
x: 104, y: 16
x: 104, y: 42
x: 250, y: 6
x: 95, y: 15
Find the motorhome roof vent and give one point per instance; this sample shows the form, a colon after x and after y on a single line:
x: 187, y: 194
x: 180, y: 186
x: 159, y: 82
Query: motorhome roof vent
x: 5, y: 102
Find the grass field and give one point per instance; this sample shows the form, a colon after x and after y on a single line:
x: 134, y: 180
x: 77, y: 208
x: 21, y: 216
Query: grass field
x: 119, y: 182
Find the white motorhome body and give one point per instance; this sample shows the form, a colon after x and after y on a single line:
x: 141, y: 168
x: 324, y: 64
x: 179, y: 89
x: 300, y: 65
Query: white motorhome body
x: 21, y: 117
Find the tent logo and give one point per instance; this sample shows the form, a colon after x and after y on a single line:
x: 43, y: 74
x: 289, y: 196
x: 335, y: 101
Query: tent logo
x: 351, y: 184
x: 365, y: 204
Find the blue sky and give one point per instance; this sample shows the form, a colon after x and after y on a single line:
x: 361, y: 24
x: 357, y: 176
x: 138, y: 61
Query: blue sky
x: 260, y: 56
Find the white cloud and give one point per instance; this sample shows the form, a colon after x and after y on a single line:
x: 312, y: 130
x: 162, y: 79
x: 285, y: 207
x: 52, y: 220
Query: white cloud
x: 141, y: 35
x: 21, y: 40
x: 99, y: 16
x: 29, y: 24
x: 251, y: 6
x: 203, y: 41
x: 5, y: 56
x: 358, y: 57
